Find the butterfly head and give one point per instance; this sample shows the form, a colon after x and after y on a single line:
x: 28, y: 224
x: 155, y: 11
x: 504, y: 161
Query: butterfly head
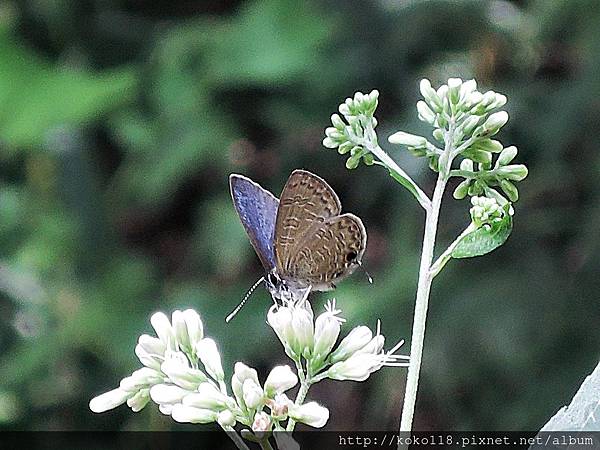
x: 285, y: 291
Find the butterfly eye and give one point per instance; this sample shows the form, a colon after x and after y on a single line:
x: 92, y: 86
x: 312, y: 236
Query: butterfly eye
x: 351, y: 256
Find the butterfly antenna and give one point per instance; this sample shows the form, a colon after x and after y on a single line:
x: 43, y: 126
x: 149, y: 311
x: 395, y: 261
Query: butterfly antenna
x: 366, y: 273
x: 246, y: 297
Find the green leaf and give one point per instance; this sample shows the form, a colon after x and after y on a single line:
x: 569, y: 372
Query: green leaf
x: 484, y: 240
x: 37, y: 96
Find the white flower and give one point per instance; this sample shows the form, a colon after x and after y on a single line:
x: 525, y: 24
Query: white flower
x: 150, y: 360
x: 262, y: 422
x: 208, y: 353
x: 152, y: 345
x: 253, y: 393
x: 190, y: 414
x: 303, y: 328
x: 356, y: 339
x: 280, y: 380
x: 485, y: 211
x: 139, y: 400
x: 109, y: 400
x: 495, y: 121
x: 279, y: 406
x: 164, y: 330
x: 141, y: 378
x: 208, y: 397
x: 241, y: 373
x: 327, y: 330
x: 425, y: 112
x: 280, y: 319
x: 310, y: 413
x: 366, y: 360
x: 177, y: 368
x: 167, y: 393
x: 226, y: 418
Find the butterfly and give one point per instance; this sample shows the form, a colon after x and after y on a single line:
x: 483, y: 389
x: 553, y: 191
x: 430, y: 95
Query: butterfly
x: 302, y: 240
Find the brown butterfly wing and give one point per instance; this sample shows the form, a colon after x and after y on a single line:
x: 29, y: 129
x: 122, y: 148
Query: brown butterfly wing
x: 329, y: 252
x: 306, y: 200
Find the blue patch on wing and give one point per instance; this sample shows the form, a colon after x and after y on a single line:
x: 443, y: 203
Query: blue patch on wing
x: 257, y: 209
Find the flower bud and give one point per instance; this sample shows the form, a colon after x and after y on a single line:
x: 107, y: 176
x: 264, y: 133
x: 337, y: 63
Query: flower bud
x: 356, y: 368
x: 337, y: 122
x: 507, y: 155
x: 253, y: 394
x: 164, y: 331
x: 182, y: 374
x: 438, y: 135
x: 109, y: 400
x: 189, y: 414
x: 279, y: 406
x: 167, y: 393
x: 193, y: 324
x: 280, y: 319
x: 303, y: 329
x: 355, y: 340
x: 262, y: 422
x: 139, y: 400
x: 454, y: 85
x: 207, y: 351
x: 141, y: 378
x: 479, y: 156
x: 495, y: 121
x: 430, y: 95
x: 152, y: 345
x: 461, y: 190
x: 466, y: 89
x: 510, y: 190
x: 208, y: 397
x: 329, y: 143
x: 425, y: 113
x: 327, y: 330
x: 408, y: 139
x: 514, y: 172
x: 280, y: 380
x: 241, y: 373
x: 469, y: 125
x: 226, y: 418
x: 310, y: 413
x: 487, y: 145
x: 152, y: 361
x: 466, y: 164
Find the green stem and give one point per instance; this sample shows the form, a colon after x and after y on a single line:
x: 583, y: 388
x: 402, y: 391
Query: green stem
x: 304, y: 386
x: 423, y: 289
x: 237, y: 440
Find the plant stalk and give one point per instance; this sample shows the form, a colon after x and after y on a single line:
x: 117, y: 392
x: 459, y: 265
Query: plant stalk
x: 237, y: 440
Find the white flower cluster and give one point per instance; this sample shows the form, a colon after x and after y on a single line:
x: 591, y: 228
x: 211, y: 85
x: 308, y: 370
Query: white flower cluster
x: 183, y: 374
x: 358, y: 355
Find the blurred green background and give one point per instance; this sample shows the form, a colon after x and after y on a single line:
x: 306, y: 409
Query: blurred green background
x: 120, y: 122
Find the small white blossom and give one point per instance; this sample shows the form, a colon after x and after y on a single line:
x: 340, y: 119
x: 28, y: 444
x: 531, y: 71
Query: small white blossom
x: 226, y: 418
x: 279, y: 406
x: 356, y: 339
x: 189, y: 414
x: 139, y: 400
x: 164, y: 330
x: 109, y: 400
x: 253, y: 393
x: 208, y: 353
x: 167, y: 394
x: 241, y: 373
x: 280, y: 380
x: 410, y: 140
x: 262, y: 422
x: 208, y: 397
x: 485, y: 211
x: 327, y: 330
x: 310, y: 413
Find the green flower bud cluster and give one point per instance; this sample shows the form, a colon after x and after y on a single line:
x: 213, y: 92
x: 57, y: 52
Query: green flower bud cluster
x: 354, y: 131
x: 482, y: 179
x: 486, y: 211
